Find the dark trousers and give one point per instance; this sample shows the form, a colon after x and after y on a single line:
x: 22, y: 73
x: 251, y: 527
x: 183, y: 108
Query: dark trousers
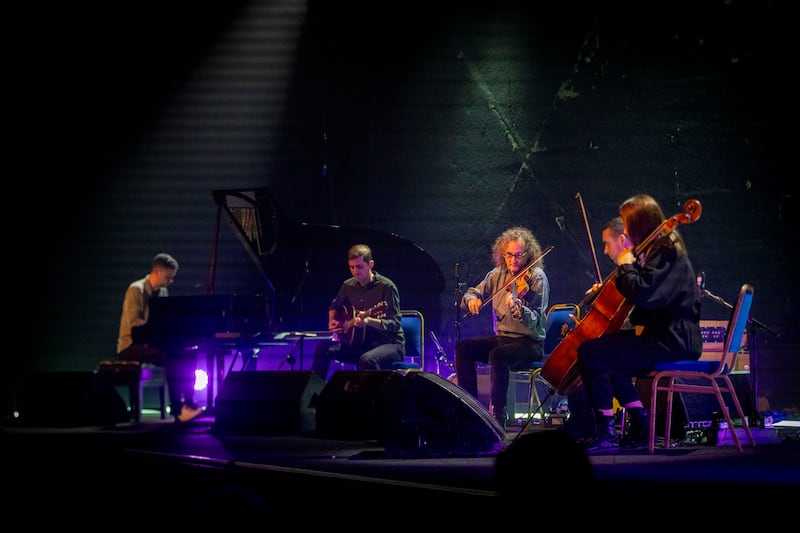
x: 179, y: 367
x: 503, y: 354
x: 609, y: 363
x: 379, y: 357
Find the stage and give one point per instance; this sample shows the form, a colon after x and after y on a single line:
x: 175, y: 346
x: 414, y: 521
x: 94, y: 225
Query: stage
x: 129, y: 471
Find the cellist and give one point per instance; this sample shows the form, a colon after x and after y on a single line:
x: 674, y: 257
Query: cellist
x: 660, y: 284
x: 580, y: 423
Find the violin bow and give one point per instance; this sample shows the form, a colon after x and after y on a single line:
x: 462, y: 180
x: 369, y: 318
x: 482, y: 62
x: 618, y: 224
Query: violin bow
x: 589, y: 233
x: 518, y: 275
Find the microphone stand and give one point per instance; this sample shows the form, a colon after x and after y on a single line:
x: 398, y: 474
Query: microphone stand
x: 753, y: 325
x: 299, y: 291
x: 457, y: 304
x: 290, y: 356
x: 441, y: 356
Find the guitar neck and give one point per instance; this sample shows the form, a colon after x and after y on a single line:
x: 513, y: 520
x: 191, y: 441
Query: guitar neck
x: 352, y: 334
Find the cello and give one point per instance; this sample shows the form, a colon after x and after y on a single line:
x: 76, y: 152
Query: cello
x: 608, y: 311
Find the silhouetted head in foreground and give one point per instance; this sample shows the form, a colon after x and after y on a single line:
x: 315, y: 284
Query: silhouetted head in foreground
x: 535, y: 464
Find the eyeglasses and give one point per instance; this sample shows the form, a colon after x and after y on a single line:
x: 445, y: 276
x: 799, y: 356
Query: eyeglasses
x: 518, y: 255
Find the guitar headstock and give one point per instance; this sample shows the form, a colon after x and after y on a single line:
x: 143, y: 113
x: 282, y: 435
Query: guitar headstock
x: 378, y: 310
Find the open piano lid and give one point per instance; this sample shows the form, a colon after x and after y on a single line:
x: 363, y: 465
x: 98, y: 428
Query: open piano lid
x: 303, y: 265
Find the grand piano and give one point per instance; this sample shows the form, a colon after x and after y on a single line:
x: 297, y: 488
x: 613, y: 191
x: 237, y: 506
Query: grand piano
x: 182, y: 321
x: 300, y: 267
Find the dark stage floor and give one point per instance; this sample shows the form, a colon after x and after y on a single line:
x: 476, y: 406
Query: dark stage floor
x: 118, y: 469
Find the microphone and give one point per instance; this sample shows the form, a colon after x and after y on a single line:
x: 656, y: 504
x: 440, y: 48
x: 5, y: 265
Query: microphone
x: 701, y: 284
x: 441, y: 355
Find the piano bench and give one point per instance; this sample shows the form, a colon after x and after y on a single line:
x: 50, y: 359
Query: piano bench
x: 136, y: 376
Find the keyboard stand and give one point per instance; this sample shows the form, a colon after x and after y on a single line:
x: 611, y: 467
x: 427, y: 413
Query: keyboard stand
x: 299, y: 338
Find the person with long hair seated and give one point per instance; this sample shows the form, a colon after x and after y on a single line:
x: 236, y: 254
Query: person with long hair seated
x: 659, y: 282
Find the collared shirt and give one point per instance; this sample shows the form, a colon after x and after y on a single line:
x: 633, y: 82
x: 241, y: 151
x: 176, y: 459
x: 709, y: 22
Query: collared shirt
x: 136, y: 309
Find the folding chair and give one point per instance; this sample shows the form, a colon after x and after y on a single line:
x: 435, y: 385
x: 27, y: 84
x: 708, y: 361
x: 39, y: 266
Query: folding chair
x: 414, y: 329
x: 682, y: 376
x: 559, y: 322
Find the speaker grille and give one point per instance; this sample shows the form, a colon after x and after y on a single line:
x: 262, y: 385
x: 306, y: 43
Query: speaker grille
x: 269, y: 402
x: 353, y: 404
x: 434, y: 417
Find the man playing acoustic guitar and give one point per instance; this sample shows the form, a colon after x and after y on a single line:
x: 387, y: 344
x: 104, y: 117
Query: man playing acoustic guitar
x: 365, y: 319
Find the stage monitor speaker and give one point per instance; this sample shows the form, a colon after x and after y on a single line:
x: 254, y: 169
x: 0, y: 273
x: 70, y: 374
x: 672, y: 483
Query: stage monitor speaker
x: 69, y: 399
x: 267, y: 402
x: 433, y: 417
x: 352, y: 406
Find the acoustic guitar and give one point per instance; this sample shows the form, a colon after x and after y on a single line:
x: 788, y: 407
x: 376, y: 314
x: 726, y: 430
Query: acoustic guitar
x: 349, y: 334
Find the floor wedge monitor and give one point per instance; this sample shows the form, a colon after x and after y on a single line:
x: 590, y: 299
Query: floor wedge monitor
x: 353, y: 404
x: 267, y: 402
x: 434, y: 417
x: 412, y: 414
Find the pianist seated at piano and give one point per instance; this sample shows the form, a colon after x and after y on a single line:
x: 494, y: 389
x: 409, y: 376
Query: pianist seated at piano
x: 364, y: 318
x: 137, y: 342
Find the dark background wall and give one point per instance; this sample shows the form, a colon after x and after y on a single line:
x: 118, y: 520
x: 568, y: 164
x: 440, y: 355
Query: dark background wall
x: 443, y: 123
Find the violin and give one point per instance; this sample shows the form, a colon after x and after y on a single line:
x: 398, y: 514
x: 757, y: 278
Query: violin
x: 519, y: 283
x: 522, y: 285
x: 517, y: 290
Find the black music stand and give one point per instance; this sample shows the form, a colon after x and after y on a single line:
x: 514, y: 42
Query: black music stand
x: 299, y: 338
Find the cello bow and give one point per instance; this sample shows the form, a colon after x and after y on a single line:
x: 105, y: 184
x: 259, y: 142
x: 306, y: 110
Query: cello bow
x: 599, y: 278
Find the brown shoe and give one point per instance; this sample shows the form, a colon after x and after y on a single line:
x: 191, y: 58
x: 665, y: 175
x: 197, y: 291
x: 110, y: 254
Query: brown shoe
x: 189, y: 413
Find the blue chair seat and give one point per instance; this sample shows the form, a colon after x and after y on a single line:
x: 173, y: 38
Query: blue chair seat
x: 533, y: 366
x: 688, y: 366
